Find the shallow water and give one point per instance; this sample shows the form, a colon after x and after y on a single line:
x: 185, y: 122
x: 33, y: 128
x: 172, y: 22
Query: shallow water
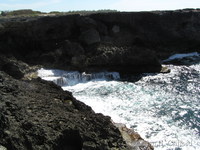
x: 163, y: 108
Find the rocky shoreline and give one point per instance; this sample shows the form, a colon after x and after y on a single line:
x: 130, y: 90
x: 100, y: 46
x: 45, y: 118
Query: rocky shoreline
x: 37, y: 114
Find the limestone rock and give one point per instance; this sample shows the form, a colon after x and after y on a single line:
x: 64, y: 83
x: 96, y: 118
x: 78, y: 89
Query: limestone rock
x: 165, y: 69
x: 133, y: 139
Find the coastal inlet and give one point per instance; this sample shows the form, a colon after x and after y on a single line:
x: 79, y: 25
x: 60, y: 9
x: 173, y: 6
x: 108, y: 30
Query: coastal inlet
x: 163, y: 108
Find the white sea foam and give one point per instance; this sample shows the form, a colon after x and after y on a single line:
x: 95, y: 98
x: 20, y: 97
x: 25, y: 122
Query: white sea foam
x: 45, y: 73
x: 69, y: 78
x: 163, y: 108
x: 148, y: 111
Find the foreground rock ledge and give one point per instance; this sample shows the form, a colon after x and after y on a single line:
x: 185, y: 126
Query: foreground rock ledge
x: 39, y: 115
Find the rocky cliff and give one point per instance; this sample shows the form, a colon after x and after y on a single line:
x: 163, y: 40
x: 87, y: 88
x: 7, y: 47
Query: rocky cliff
x: 39, y: 115
x: 124, y: 42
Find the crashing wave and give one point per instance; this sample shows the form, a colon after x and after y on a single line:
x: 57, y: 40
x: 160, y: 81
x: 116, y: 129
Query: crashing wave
x: 69, y: 78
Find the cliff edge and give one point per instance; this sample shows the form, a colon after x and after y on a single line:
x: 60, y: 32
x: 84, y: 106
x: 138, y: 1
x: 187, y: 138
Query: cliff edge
x: 119, y: 41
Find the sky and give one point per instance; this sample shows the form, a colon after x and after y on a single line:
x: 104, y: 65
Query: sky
x: 120, y: 5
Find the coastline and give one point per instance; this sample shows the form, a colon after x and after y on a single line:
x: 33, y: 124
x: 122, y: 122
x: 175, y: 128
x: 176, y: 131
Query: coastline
x: 123, y: 42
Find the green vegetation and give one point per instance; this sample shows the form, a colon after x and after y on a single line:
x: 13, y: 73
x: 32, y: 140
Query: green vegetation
x: 22, y: 12
x: 29, y: 12
x: 91, y: 11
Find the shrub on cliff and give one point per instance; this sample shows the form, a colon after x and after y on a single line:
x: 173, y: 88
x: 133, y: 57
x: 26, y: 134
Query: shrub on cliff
x: 22, y: 12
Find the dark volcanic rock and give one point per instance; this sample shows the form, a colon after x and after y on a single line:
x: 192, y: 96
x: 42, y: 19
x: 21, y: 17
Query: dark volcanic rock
x: 90, y: 36
x: 38, y: 115
x: 16, y: 69
x: 85, y: 23
x: 123, y: 59
x: 72, y: 49
x: 67, y: 42
x: 165, y: 32
x: 63, y: 57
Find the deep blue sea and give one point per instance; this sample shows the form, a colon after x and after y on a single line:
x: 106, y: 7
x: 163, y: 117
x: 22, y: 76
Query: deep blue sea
x: 163, y: 108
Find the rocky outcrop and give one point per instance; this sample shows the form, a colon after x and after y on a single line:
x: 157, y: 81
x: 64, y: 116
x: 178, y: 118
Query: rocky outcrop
x: 162, y: 31
x: 124, y: 42
x: 15, y: 68
x: 123, y: 59
x: 139, y: 39
x: 37, y: 114
x: 133, y: 139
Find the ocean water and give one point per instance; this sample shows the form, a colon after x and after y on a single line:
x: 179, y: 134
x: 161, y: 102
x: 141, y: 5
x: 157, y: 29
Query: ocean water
x: 163, y: 108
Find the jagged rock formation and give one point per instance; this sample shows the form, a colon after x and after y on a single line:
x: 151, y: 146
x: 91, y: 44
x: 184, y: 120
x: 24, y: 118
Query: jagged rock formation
x: 133, y: 139
x: 37, y: 114
x: 124, y: 42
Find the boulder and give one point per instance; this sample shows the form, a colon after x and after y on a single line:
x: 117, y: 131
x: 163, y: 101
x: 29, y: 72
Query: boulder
x: 133, y: 139
x: 90, y: 36
x: 165, y: 69
x: 16, y: 69
x: 124, y: 59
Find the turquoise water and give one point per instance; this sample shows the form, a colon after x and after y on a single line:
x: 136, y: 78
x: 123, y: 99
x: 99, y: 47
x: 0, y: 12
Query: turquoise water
x: 163, y: 108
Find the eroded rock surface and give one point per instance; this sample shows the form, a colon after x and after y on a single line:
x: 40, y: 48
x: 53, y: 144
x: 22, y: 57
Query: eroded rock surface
x: 37, y: 114
x: 42, y: 40
x: 74, y: 41
x: 133, y: 139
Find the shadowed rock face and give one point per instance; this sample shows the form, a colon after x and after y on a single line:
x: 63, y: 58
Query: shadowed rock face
x: 154, y: 35
x: 37, y: 114
x: 123, y: 59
